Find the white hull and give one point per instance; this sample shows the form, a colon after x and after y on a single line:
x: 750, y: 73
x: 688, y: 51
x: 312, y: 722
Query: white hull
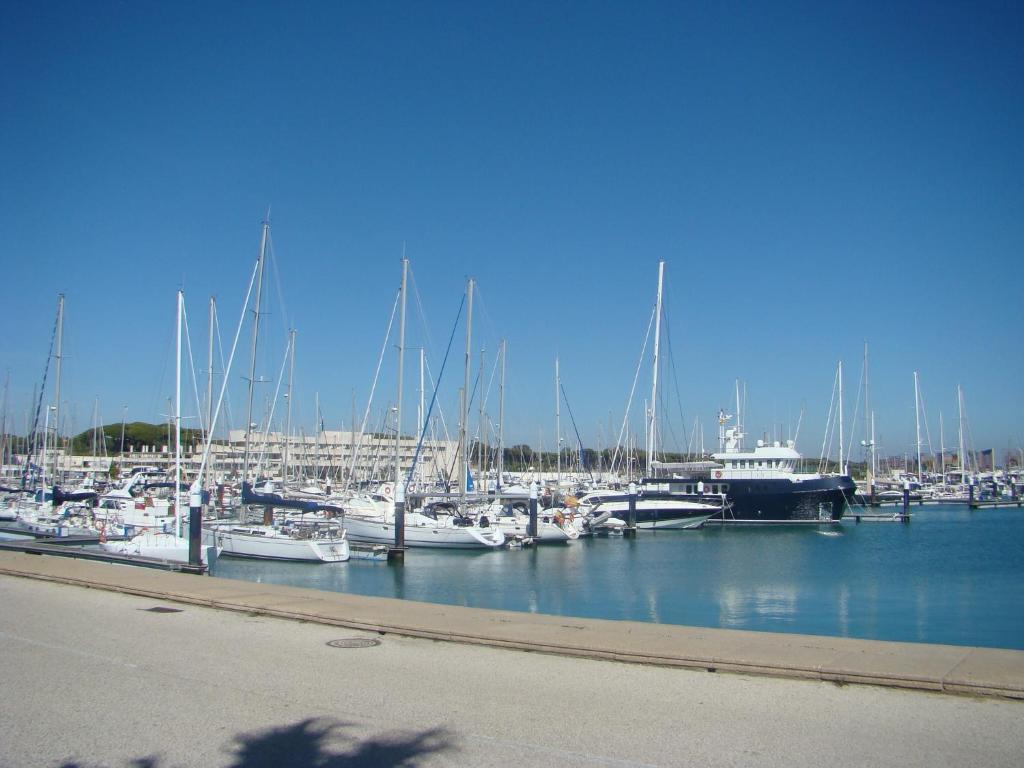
x: 419, y: 533
x: 159, y: 546
x: 659, y: 514
x: 548, y: 532
x: 269, y: 543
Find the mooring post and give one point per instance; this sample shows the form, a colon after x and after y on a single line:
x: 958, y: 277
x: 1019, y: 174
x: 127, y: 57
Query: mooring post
x: 906, y: 498
x: 871, y: 494
x: 195, y: 526
x: 397, y: 553
x: 631, y: 518
x: 970, y: 492
x: 531, y: 529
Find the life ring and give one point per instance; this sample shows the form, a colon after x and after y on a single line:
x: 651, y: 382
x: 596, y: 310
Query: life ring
x: 386, y: 490
x: 718, y: 475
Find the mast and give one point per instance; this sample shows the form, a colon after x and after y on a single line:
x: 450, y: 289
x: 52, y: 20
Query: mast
x: 255, y: 338
x: 842, y: 467
x: 209, y: 372
x: 869, y: 424
x: 288, y: 415
x: 480, y: 424
x: 421, y: 419
x: 942, y: 448
x: 651, y: 430
x: 917, y: 426
x: 960, y: 429
x: 874, y: 459
x: 465, y: 396
x: 558, y: 424
x: 60, y: 359
x: 177, y: 424
x: 739, y: 417
x: 399, y: 487
x: 501, y: 425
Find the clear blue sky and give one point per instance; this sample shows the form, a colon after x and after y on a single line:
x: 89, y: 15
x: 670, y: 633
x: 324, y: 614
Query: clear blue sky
x: 813, y: 174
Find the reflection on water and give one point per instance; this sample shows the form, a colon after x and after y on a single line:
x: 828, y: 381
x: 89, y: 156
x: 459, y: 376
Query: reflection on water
x: 950, y: 576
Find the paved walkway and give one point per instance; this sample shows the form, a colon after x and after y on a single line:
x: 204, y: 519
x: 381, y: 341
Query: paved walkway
x: 954, y: 669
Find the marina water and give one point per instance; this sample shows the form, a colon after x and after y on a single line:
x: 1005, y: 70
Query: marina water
x: 950, y: 576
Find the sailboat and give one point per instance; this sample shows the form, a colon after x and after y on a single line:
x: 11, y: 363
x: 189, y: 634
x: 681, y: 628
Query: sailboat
x: 158, y: 544
x: 659, y: 505
x: 425, y: 528
x: 314, y: 540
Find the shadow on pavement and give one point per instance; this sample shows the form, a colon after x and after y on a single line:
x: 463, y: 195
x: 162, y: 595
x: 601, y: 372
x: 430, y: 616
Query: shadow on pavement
x: 319, y: 742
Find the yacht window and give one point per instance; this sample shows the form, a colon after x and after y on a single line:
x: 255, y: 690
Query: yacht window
x: 714, y: 488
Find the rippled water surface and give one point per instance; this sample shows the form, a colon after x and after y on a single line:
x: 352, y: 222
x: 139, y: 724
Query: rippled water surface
x: 950, y: 576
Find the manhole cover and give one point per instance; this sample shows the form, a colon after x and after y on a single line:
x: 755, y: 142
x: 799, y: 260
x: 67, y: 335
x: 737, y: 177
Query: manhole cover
x: 163, y: 609
x: 354, y: 642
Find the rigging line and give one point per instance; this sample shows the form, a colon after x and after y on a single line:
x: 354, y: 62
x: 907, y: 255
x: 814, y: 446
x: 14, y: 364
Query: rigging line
x: 276, y: 272
x: 369, y: 403
x: 927, y: 431
x: 828, y: 425
x: 572, y: 419
x: 192, y: 367
x: 856, y: 416
x: 428, y: 342
x: 629, y: 402
x: 440, y: 410
x: 273, y: 408
x: 223, y: 368
x: 224, y: 381
x: 42, y: 392
x: 433, y: 398
x: 661, y: 395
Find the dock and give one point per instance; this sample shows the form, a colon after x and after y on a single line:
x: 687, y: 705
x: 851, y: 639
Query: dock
x: 72, y: 547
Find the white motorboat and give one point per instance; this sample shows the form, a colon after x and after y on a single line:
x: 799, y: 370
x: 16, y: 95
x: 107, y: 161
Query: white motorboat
x: 553, y: 526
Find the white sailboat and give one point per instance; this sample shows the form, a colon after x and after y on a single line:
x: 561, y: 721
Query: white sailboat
x: 423, y: 528
x: 160, y: 545
x: 318, y: 542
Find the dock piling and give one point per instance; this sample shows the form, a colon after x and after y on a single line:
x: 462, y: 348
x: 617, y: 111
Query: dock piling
x: 195, y: 527
x: 532, y: 529
x: 630, y: 530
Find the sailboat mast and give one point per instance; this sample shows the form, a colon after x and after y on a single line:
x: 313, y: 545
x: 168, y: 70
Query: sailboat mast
x: 288, y: 414
x: 942, y: 448
x: 868, y: 424
x: 399, y: 488
x: 651, y: 439
x: 421, y: 418
x: 255, y: 338
x: 558, y: 424
x: 501, y: 425
x: 177, y: 423
x: 59, y: 358
x: 465, y: 395
x: 960, y: 420
x: 842, y: 469
x: 209, y: 372
x: 917, y: 425
x: 481, y: 428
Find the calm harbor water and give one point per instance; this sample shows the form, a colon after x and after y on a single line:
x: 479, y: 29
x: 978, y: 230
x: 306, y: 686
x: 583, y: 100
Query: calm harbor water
x: 951, y: 576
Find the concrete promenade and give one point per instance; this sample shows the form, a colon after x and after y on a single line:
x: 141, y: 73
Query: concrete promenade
x: 141, y: 671
x: 953, y: 669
